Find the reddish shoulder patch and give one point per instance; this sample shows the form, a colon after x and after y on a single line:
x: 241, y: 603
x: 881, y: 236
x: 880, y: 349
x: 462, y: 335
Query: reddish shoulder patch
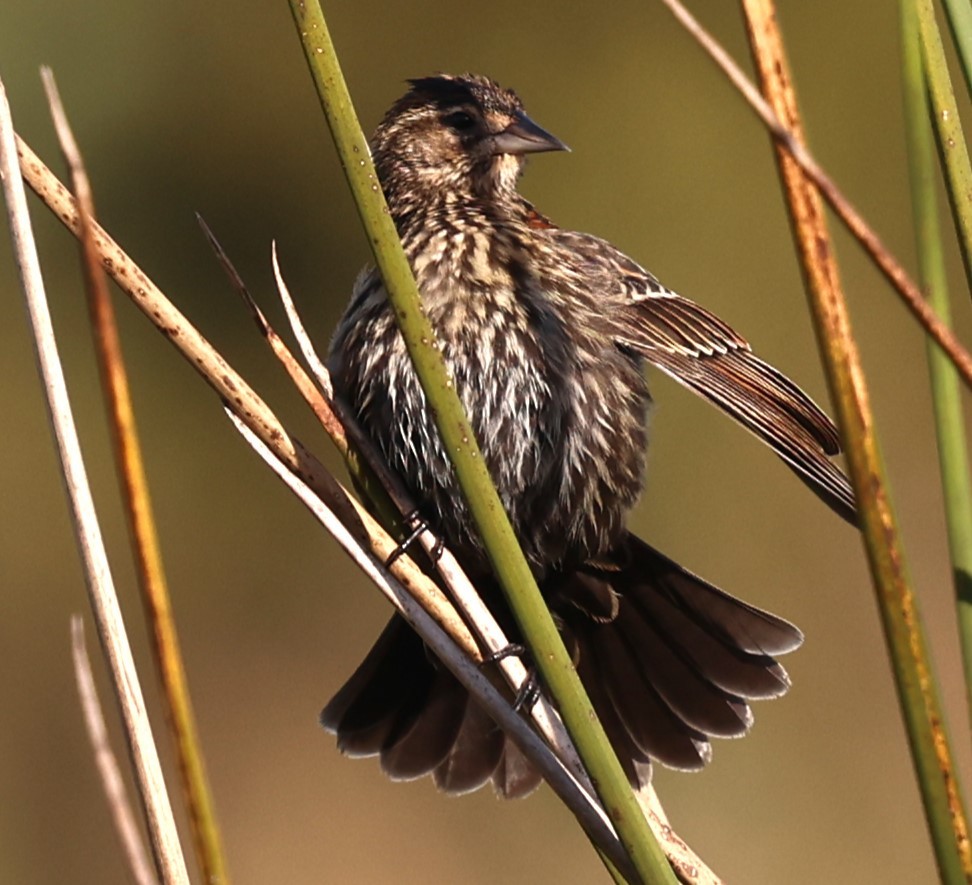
x: 537, y: 221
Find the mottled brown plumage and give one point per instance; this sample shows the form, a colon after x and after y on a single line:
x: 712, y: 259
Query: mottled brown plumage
x: 546, y: 333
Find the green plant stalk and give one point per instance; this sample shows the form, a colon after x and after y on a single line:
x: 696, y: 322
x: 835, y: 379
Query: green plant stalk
x: 505, y: 555
x: 959, y: 14
x: 949, y: 424
x: 948, y: 127
x: 898, y: 607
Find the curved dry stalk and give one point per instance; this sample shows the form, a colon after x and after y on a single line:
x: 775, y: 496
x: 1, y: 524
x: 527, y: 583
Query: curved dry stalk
x: 307, y: 349
x: 889, y: 266
x: 138, y: 511
x: 901, y: 619
x: 101, y: 592
x: 126, y: 826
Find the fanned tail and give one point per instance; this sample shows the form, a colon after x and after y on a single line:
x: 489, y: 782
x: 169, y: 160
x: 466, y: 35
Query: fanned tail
x: 679, y: 662
x: 405, y: 707
x: 668, y: 659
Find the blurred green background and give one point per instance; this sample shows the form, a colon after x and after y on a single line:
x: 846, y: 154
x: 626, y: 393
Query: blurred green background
x: 186, y: 106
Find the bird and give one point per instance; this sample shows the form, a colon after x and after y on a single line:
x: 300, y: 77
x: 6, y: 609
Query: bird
x: 547, y: 334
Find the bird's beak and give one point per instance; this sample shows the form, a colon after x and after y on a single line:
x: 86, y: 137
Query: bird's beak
x: 523, y: 136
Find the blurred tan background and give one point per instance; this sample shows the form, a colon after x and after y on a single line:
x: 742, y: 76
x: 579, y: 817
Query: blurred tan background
x: 186, y: 106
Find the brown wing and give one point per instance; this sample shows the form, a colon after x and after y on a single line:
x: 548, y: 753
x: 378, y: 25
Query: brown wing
x: 702, y: 352
x: 698, y: 350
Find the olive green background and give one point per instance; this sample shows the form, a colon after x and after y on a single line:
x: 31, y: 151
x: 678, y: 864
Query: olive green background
x: 186, y: 106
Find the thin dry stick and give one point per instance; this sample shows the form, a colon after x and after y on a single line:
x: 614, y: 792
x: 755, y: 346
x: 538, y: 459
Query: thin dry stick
x: 122, y: 813
x: 104, y: 601
x: 316, y: 364
x: 902, y: 622
x: 885, y: 261
x: 138, y: 506
x: 212, y: 367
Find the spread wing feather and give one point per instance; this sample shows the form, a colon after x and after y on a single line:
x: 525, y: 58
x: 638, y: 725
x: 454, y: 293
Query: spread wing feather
x: 702, y: 352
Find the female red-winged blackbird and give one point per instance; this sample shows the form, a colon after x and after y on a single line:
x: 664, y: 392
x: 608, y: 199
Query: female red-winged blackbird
x: 545, y: 333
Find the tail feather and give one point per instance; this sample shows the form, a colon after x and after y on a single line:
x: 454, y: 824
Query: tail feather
x: 363, y: 713
x: 686, y: 691
x: 634, y: 759
x: 668, y: 660
x: 421, y: 742
x: 735, y: 623
x: 475, y: 754
x: 639, y: 723
x: 514, y: 777
x: 737, y: 672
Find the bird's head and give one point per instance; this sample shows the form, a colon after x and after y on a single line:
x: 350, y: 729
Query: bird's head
x: 458, y: 134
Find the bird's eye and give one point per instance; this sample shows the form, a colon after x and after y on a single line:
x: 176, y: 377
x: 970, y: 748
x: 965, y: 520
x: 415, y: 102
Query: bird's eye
x: 460, y: 121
